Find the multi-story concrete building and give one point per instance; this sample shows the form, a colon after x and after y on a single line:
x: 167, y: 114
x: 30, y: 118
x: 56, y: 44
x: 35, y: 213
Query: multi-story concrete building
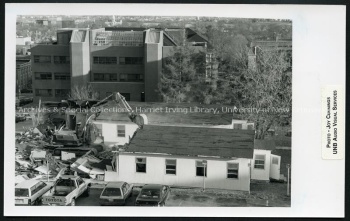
x: 127, y: 60
x: 23, y: 73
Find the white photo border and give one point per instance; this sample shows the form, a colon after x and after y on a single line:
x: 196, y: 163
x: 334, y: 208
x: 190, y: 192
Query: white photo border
x: 318, y: 60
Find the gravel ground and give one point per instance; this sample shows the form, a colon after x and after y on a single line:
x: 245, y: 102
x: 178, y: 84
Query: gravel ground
x: 261, y: 192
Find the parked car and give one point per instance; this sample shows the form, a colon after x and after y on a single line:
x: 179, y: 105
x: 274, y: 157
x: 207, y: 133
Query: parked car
x: 20, y: 118
x: 29, y: 192
x: 66, y: 190
x: 153, y: 195
x: 116, y: 193
x: 27, y: 115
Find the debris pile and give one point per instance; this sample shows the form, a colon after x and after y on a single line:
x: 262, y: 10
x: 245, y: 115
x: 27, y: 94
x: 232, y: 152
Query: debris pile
x: 64, y: 139
x: 106, y: 155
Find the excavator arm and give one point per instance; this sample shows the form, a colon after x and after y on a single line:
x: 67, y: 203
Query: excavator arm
x: 118, y: 99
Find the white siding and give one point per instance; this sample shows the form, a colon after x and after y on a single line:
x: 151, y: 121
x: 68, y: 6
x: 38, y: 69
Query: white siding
x: 261, y: 174
x: 110, y: 135
x: 185, y: 172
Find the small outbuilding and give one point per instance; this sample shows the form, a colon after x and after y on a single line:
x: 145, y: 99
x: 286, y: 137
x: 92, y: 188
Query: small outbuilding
x: 265, y: 165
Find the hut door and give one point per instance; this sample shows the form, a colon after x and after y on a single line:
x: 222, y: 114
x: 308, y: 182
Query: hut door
x: 275, y: 167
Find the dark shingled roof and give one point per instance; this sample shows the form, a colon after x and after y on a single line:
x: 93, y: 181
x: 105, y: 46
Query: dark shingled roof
x: 264, y: 144
x: 193, y: 141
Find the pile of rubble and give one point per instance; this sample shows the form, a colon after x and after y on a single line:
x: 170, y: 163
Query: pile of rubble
x: 47, y: 148
x: 34, y: 158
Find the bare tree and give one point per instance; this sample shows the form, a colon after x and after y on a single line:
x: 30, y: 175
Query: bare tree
x: 83, y: 92
x: 268, y: 89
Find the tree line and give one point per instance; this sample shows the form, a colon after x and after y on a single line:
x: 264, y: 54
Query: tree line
x: 226, y: 78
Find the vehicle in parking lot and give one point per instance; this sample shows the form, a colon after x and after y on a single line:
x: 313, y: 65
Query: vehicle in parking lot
x: 66, y: 190
x: 116, y: 193
x: 29, y: 192
x: 27, y: 115
x: 153, y: 195
x: 20, y: 118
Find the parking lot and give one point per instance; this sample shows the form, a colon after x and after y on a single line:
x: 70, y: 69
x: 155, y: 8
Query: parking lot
x: 93, y: 198
x: 262, y: 194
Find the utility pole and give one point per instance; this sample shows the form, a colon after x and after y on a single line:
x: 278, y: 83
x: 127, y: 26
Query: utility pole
x: 288, y: 167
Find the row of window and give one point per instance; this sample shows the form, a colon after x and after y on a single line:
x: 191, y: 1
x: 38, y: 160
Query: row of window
x: 48, y: 59
x: 122, y: 60
x: 48, y: 92
x: 48, y: 76
x: 122, y: 77
x: 201, y: 169
x: 96, y: 60
x: 259, y: 162
x: 120, y: 130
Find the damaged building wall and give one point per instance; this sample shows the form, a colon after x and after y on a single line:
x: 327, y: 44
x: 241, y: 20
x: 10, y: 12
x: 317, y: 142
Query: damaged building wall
x: 116, y: 132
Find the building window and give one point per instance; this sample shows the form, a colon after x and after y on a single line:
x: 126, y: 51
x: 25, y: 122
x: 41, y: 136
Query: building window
x: 135, y: 77
x: 121, y: 130
x: 61, y: 59
x: 250, y: 127
x: 105, y: 77
x: 62, y: 92
x: 126, y: 96
x: 201, y: 169
x: 42, y: 59
x: 105, y: 60
x: 131, y: 60
x: 123, y: 77
x: 141, y: 165
x: 237, y: 126
x: 259, y: 162
x: 99, y: 77
x: 113, y: 77
x: 232, y: 170
x: 99, y: 129
x: 43, y: 76
x: 62, y: 76
x: 170, y: 166
x: 43, y: 92
x: 131, y: 77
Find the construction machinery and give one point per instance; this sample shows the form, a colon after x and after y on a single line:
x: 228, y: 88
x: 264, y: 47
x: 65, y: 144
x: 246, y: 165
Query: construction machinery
x: 82, y: 135
x: 119, y: 100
